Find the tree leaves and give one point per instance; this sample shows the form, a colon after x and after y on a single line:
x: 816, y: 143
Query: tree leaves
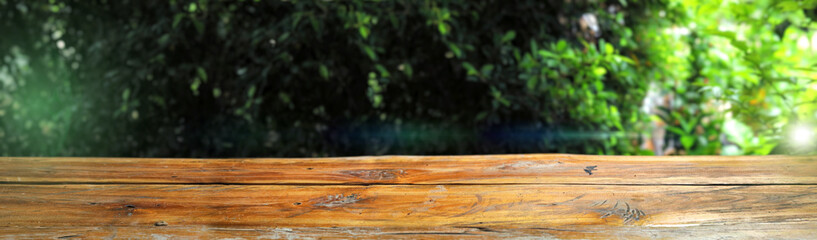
x: 364, y: 31
x: 215, y: 79
x: 324, y: 71
x: 471, y: 70
x: 509, y: 36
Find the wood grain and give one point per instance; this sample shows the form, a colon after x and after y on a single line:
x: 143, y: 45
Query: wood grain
x: 404, y: 206
x: 540, y: 196
x: 737, y: 231
x: 486, y: 169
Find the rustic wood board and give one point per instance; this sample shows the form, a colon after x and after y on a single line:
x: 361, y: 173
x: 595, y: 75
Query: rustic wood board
x: 488, y: 169
x: 500, y: 207
x: 464, y: 197
x: 739, y: 231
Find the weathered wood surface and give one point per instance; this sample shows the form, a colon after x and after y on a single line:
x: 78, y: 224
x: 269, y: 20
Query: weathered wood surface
x: 739, y: 231
x: 403, y: 206
x: 490, y: 197
x: 488, y: 169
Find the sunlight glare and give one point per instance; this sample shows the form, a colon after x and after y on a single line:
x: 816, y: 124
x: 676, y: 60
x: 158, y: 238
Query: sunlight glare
x: 802, y: 135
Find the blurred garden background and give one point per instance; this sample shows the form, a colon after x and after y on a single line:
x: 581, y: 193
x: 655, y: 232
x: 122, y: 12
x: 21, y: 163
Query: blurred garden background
x: 207, y: 78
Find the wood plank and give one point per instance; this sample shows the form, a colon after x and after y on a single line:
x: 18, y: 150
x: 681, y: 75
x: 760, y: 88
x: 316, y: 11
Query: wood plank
x: 486, y: 169
x: 405, y: 206
x: 736, y: 231
x: 404, y: 197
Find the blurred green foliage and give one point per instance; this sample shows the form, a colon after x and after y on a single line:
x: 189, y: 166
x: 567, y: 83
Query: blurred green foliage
x: 203, y: 78
x: 749, y: 77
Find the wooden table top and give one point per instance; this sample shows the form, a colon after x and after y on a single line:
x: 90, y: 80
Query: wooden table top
x: 409, y: 197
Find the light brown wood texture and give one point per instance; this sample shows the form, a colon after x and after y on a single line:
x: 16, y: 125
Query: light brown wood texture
x: 487, y: 169
x: 517, y: 210
x: 463, y: 197
x: 739, y: 231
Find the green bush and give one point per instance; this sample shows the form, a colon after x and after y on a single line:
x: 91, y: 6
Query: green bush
x: 311, y: 78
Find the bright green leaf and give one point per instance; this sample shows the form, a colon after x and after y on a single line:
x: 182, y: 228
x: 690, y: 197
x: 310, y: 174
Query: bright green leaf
x: 369, y: 52
x: 324, y: 71
x: 687, y: 141
x: 454, y: 48
x: 676, y: 130
x: 561, y: 45
x: 599, y: 71
x: 408, y: 70
x: 444, y: 28
x: 195, y: 86
x: 382, y: 70
x: 364, y: 31
x: 202, y: 73
x: 251, y: 91
x: 470, y: 68
x: 509, y: 36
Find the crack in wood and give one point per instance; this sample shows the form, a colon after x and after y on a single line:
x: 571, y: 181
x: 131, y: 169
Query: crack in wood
x: 563, y: 202
x: 338, y: 200
x: 376, y: 174
x: 528, y: 165
x: 483, y: 229
x: 433, y: 233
